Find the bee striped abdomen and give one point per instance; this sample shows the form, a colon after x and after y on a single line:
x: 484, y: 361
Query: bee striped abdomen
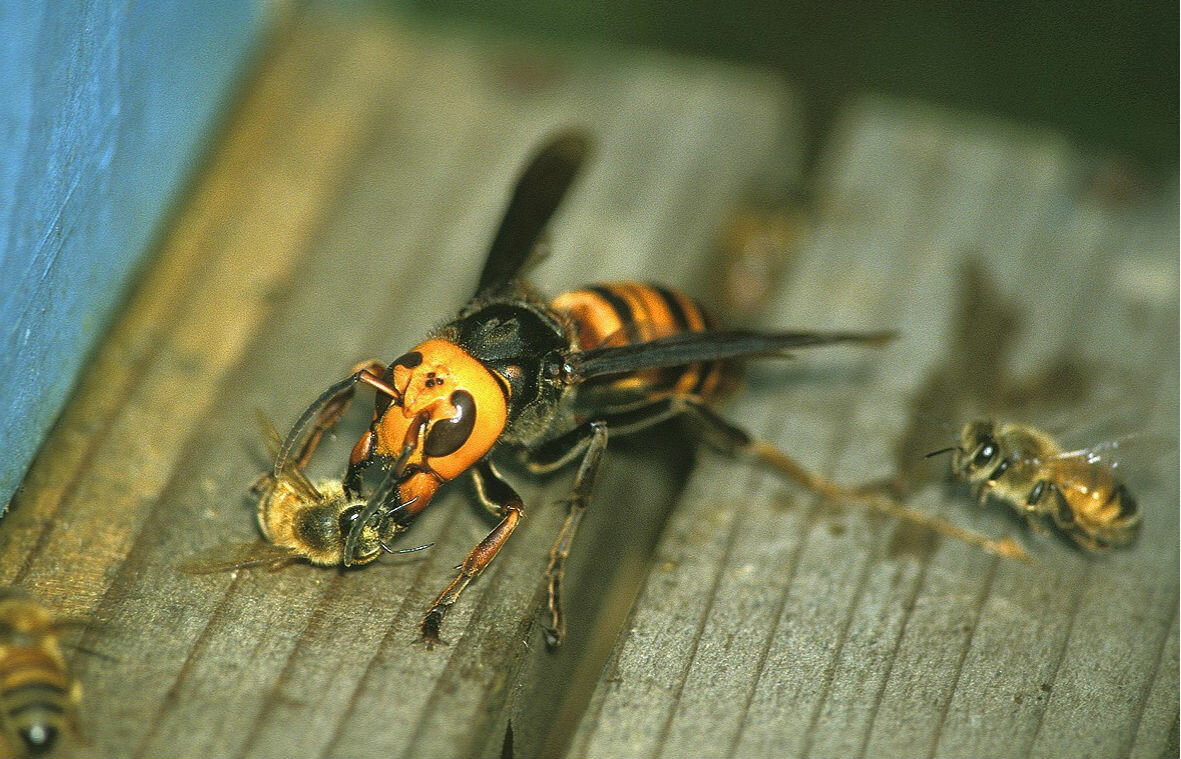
x: 34, y: 696
x: 623, y: 313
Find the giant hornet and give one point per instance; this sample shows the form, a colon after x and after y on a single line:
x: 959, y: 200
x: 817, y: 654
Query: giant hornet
x: 551, y: 378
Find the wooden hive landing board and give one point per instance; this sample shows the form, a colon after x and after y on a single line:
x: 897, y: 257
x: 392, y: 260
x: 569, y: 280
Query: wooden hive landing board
x: 1024, y: 288
x: 345, y: 213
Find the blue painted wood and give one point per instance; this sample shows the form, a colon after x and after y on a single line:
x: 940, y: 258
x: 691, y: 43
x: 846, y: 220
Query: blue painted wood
x: 105, y: 107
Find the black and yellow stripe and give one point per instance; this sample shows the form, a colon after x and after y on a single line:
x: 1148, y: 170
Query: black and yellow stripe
x: 35, y: 697
x: 38, y: 697
x: 628, y: 313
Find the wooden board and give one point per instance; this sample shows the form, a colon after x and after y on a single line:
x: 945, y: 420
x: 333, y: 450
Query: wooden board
x: 346, y: 213
x: 108, y: 108
x: 1027, y: 284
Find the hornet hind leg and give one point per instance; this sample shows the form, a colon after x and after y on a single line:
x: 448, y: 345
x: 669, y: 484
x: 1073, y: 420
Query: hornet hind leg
x: 737, y: 442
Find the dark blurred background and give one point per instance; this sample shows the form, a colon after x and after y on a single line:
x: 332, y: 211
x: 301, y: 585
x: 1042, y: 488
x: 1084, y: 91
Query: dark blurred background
x: 1103, y: 73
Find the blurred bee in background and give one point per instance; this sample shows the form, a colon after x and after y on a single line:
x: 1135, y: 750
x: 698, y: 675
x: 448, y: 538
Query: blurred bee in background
x: 38, y: 696
x: 548, y: 378
x: 1076, y: 490
x: 757, y: 245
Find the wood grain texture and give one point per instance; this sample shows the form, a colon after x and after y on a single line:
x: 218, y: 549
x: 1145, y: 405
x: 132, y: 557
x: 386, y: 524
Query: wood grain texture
x: 346, y: 213
x: 773, y: 624
x: 108, y: 107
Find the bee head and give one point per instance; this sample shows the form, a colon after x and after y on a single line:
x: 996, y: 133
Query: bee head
x: 370, y: 537
x: 978, y: 451
x: 975, y: 454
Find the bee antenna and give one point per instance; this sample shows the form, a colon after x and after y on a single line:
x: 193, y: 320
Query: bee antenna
x: 423, y: 547
x: 940, y: 451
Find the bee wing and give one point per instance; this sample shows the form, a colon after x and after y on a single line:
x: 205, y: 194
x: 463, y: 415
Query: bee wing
x: 714, y: 345
x: 535, y: 198
x: 1135, y: 448
x: 270, y: 436
x: 230, y: 556
x: 285, y: 467
x: 299, y: 481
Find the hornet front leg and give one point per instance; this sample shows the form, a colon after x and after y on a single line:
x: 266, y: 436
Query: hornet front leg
x: 499, y: 498
x: 327, y: 410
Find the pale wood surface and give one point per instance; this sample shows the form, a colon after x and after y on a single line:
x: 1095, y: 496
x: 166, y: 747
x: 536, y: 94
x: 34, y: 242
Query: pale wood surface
x: 774, y: 625
x: 347, y: 212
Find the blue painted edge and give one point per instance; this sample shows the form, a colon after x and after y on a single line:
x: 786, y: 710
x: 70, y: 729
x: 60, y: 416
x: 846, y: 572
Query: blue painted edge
x: 108, y: 107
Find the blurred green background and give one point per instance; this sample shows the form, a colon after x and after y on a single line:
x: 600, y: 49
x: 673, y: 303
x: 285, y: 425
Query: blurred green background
x: 1103, y: 73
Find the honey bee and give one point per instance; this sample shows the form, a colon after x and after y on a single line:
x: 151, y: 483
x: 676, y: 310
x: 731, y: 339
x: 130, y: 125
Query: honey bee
x: 38, y: 696
x: 757, y: 245
x: 1025, y: 467
x: 299, y: 520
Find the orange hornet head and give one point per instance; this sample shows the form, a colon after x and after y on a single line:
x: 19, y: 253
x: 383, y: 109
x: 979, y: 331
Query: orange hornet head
x: 439, y: 410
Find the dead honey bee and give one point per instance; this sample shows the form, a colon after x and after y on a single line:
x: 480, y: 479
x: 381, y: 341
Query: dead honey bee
x: 1023, y: 466
x: 299, y: 520
x: 38, y: 696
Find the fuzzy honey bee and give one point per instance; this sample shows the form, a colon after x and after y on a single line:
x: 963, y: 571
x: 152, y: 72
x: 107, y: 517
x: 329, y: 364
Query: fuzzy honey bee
x: 299, y: 520
x: 38, y: 696
x: 1025, y: 467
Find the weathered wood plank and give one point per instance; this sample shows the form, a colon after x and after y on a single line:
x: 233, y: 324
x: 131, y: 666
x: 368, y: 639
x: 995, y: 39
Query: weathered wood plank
x: 773, y: 625
x: 107, y: 109
x: 347, y: 214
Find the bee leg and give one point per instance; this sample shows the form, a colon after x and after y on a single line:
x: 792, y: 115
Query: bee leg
x: 735, y: 441
x: 262, y: 484
x: 584, y: 482
x: 1036, y: 524
x: 500, y: 498
x: 334, y: 408
x: 1087, y: 541
x: 1063, y: 517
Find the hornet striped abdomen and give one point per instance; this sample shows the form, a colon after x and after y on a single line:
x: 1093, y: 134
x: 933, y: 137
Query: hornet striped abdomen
x: 615, y: 314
